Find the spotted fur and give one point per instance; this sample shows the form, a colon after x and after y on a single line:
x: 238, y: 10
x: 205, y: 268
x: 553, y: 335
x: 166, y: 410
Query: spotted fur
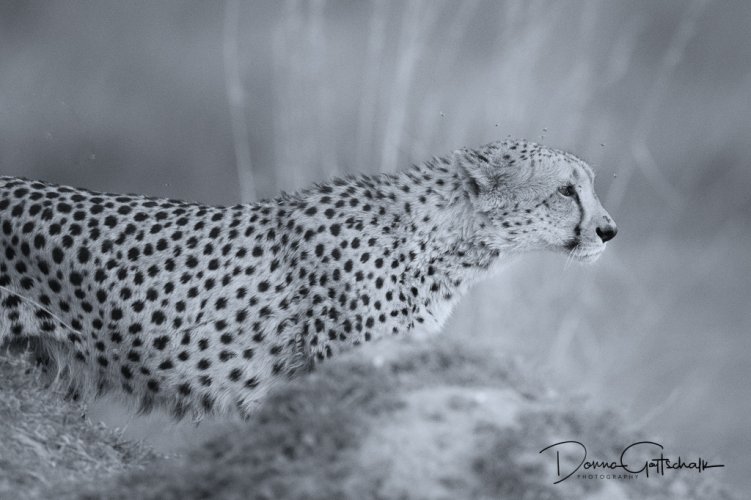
x: 201, y: 309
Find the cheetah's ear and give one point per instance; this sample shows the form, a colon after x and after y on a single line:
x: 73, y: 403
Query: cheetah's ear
x: 482, y: 174
x: 477, y: 170
x: 490, y: 182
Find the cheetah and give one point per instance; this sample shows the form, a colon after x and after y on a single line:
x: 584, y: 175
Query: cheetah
x: 201, y: 310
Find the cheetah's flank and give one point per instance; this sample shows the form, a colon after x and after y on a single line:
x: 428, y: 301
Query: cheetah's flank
x: 202, y: 309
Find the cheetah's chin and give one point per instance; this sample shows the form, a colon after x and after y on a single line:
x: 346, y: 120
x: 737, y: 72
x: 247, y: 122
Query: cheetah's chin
x: 586, y: 256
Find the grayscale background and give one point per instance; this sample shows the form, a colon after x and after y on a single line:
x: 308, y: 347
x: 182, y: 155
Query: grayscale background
x: 222, y: 102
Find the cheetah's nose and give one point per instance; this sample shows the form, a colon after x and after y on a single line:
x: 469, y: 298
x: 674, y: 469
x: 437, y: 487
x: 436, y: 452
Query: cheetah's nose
x: 607, y: 233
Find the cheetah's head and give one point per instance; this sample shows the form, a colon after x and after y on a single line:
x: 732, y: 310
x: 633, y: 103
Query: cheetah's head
x: 535, y: 197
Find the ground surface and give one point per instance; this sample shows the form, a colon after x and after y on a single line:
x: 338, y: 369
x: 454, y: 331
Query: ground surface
x: 399, y: 420
x: 46, y: 442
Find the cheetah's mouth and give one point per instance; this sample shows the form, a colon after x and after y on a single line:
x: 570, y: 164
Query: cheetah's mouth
x: 572, y: 244
x: 588, y: 257
x: 585, y: 254
x: 582, y: 252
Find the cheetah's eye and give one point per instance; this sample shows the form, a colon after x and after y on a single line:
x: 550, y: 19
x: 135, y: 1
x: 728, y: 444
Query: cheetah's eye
x: 567, y: 190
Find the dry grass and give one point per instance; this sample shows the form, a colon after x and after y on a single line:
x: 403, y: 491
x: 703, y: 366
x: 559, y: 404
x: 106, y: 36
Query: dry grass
x: 47, y: 442
x: 406, y: 420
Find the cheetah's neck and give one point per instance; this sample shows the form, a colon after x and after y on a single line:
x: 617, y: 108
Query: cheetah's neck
x: 448, y: 235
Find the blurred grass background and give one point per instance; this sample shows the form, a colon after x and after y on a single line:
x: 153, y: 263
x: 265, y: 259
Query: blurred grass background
x: 224, y: 102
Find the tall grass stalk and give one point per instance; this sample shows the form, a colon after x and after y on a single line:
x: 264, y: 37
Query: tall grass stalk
x: 417, y: 22
x: 372, y: 81
x: 236, y: 101
x: 640, y: 150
